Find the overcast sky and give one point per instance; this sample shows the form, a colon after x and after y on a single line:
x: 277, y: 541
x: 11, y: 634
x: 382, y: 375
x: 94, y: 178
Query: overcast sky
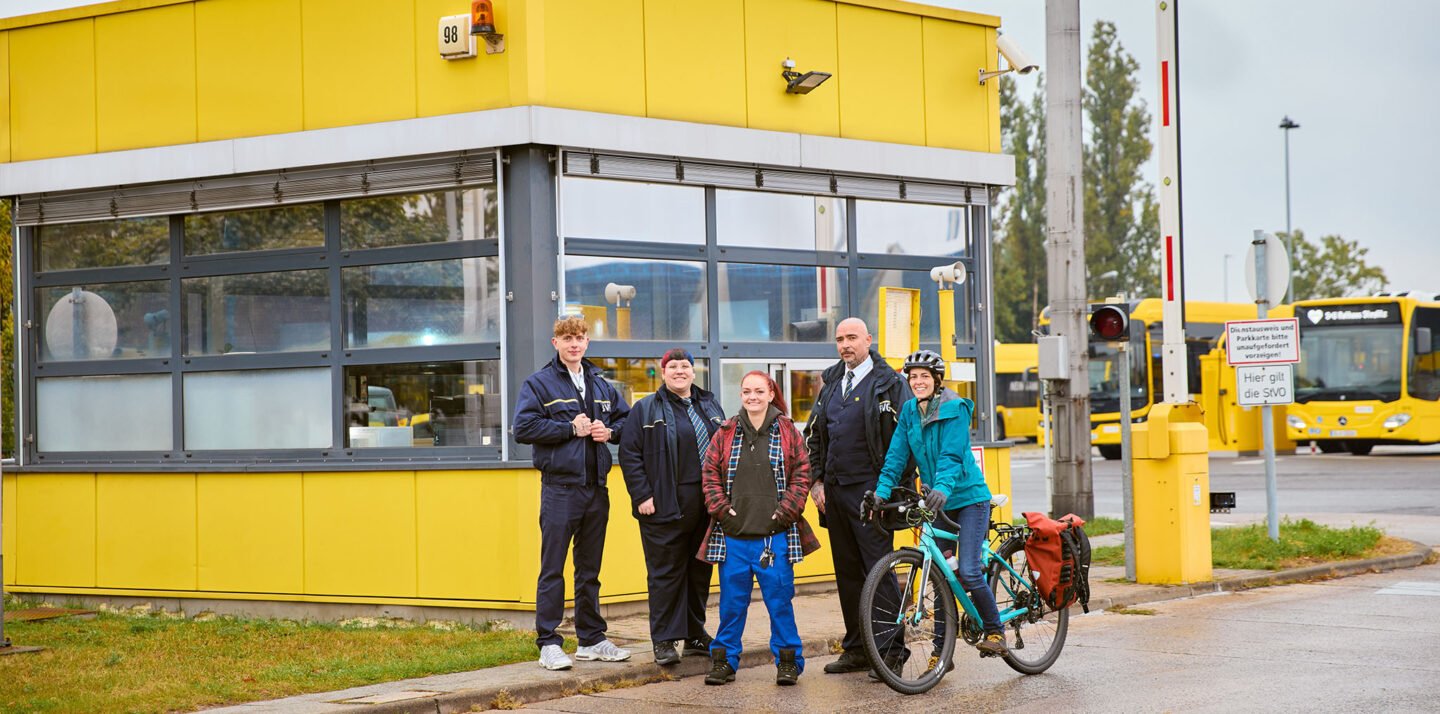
x: 1359, y: 79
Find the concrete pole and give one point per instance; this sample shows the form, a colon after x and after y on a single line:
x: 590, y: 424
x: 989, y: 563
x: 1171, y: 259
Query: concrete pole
x: 1065, y: 262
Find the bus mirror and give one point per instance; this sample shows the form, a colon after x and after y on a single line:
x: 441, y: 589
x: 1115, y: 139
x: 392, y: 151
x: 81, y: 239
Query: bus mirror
x: 1423, y: 341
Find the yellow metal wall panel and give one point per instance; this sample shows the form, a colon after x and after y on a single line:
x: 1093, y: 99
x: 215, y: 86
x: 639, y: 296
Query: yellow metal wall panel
x: 465, y: 85
x: 4, y: 101
x: 695, y: 60
x: 247, y: 65
x: 803, y: 30
x: 55, y: 529
x: 623, y: 570
x: 251, y: 536
x: 7, y: 514
x: 360, y: 533
x: 358, y: 61
x: 594, y: 55
x: 52, y: 90
x: 145, y: 531
x: 958, y: 111
x: 882, y: 92
x: 145, y: 78
x: 466, y: 530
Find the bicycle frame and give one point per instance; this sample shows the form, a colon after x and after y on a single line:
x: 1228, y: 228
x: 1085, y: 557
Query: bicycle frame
x: 932, y: 554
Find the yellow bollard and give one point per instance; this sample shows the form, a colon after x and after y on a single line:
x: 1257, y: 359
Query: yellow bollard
x: 1172, y: 496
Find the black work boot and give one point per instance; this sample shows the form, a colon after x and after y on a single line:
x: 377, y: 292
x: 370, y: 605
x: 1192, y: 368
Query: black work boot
x: 850, y: 661
x: 720, y: 669
x: 787, y: 670
x: 697, y: 646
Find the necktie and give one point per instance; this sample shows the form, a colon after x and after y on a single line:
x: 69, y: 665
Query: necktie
x: 849, y: 384
x: 702, y: 434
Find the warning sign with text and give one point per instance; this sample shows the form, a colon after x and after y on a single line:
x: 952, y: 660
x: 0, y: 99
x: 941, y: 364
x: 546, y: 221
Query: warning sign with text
x: 1262, y: 341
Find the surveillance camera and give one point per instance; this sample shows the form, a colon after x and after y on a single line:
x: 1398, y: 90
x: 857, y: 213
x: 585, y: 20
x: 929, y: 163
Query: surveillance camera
x: 1011, y: 51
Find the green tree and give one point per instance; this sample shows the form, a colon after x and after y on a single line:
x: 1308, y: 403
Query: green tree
x: 1334, y: 267
x: 1020, y: 263
x: 1122, y: 232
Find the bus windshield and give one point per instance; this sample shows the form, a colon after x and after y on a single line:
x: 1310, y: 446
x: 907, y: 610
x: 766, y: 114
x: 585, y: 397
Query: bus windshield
x: 1105, y: 376
x: 1349, y: 362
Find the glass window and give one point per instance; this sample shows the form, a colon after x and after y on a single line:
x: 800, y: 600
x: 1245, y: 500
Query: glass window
x: 636, y: 379
x: 780, y: 303
x: 259, y: 409
x: 469, y: 214
x: 105, y: 413
x: 1017, y: 390
x: 777, y: 220
x: 105, y: 321
x: 1349, y: 362
x: 427, y: 303
x: 911, y: 228
x: 257, y: 312
x: 869, y: 292
x: 669, y: 301
x: 1105, y: 368
x: 1425, y: 368
x: 300, y: 226
x: 105, y: 244
x: 424, y: 404
x: 630, y: 210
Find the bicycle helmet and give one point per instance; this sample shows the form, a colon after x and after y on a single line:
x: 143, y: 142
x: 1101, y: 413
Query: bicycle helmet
x: 927, y: 359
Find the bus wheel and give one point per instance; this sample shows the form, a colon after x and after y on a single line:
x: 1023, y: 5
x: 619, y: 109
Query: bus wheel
x: 999, y: 429
x: 1111, y: 452
x: 1360, y: 448
x: 1330, y: 447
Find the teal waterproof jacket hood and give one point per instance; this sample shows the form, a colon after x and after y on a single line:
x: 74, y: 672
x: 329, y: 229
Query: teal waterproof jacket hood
x: 939, y: 443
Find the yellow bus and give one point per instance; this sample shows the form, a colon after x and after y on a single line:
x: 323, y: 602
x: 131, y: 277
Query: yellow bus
x: 1368, y: 372
x: 1211, y: 380
x: 1017, y: 390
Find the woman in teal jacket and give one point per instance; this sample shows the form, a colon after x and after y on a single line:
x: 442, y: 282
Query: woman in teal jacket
x: 934, y: 430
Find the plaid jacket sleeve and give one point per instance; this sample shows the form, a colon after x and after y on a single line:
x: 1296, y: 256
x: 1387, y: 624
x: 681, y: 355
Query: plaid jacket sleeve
x: 712, y: 473
x: 797, y: 474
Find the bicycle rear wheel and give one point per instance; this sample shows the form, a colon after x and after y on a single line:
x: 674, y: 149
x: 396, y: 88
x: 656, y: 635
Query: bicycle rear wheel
x: 906, y: 625
x: 1036, y: 637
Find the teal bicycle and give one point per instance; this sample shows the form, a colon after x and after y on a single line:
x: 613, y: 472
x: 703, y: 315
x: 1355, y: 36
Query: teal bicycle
x: 910, y: 600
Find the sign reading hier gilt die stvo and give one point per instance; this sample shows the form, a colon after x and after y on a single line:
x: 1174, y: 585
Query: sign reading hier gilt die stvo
x: 1262, y: 352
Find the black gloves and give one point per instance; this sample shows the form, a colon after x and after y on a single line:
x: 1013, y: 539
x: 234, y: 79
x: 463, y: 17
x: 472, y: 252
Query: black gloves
x: 935, y: 500
x: 868, y: 504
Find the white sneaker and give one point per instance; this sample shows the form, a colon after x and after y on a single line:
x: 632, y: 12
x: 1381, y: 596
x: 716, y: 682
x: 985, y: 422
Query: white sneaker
x: 552, y: 657
x: 604, y: 650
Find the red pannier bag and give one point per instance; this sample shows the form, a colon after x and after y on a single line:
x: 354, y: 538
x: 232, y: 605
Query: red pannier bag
x: 1059, y: 555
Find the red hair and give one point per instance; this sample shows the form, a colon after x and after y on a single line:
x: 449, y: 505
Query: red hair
x: 776, y: 399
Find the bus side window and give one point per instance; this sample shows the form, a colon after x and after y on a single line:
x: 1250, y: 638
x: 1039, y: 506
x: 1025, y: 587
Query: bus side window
x: 1425, y: 368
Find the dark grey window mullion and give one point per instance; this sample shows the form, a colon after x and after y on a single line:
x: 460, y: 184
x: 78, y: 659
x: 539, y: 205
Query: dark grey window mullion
x: 338, y: 348
x: 633, y: 249
x: 27, y: 342
x: 712, y: 286
x: 177, y: 337
x: 450, y: 250
x: 979, y: 325
x: 852, y: 242
x: 90, y: 276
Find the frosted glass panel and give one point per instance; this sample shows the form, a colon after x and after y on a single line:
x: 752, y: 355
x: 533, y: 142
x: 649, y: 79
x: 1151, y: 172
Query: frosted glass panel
x: 119, y: 413
x: 628, y: 210
x: 262, y: 409
x: 777, y: 220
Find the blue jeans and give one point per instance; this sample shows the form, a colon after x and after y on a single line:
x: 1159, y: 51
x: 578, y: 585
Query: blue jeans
x: 738, y: 573
x: 974, y: 521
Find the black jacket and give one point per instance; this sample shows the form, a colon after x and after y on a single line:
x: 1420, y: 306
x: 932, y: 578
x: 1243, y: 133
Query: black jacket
x: 882, y: 409
x: 648, y: 448
x: 548, y: 403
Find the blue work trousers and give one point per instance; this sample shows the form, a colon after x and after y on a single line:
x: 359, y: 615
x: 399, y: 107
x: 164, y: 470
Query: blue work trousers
x: 740, y: 570
x: 571, y: 514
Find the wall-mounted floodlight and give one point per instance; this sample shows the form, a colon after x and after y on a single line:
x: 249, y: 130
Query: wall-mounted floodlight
x: 954, y: 274
x: 614, y: 293
x: 798, y: 83
x: 1019, y: 61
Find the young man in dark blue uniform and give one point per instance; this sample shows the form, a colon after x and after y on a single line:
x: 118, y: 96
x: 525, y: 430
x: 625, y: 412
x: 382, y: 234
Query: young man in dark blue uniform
x: 569, y: 413
x: 850, y: 429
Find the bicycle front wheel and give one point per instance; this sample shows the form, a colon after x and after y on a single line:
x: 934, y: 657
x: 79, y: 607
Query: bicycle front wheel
x: 908, y: 621
x: 1037, y: 636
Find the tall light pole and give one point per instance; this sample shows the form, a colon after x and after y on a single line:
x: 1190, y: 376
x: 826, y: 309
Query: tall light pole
x: 1287, y: 124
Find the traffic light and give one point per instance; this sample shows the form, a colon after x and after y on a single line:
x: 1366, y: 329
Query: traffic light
x: 1109, y: 322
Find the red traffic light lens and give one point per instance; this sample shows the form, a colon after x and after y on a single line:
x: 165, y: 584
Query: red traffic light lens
x: 1108, y: 323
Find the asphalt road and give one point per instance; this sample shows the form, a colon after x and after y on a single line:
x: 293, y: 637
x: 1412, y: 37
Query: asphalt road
x: 1396, y: 488
x: 1365, y: 643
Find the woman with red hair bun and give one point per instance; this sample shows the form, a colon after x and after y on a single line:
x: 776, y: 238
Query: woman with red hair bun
x: 756, y: 477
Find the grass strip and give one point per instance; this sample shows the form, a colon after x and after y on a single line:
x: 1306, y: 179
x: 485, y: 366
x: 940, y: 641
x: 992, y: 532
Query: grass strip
x: 1301, y: 543
x: 162, y: 663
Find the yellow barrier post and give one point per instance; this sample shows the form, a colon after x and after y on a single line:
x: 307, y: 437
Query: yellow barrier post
x: 1172, y: 496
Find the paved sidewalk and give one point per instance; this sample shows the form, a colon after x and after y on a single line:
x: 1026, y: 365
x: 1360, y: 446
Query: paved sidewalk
x: 818, y: 617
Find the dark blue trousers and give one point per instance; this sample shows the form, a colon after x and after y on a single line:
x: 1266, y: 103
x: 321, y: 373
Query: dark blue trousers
x: 579, y: 514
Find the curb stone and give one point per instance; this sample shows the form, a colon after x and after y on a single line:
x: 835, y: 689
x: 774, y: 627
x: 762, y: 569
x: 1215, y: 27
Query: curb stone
x: 641, y: 672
